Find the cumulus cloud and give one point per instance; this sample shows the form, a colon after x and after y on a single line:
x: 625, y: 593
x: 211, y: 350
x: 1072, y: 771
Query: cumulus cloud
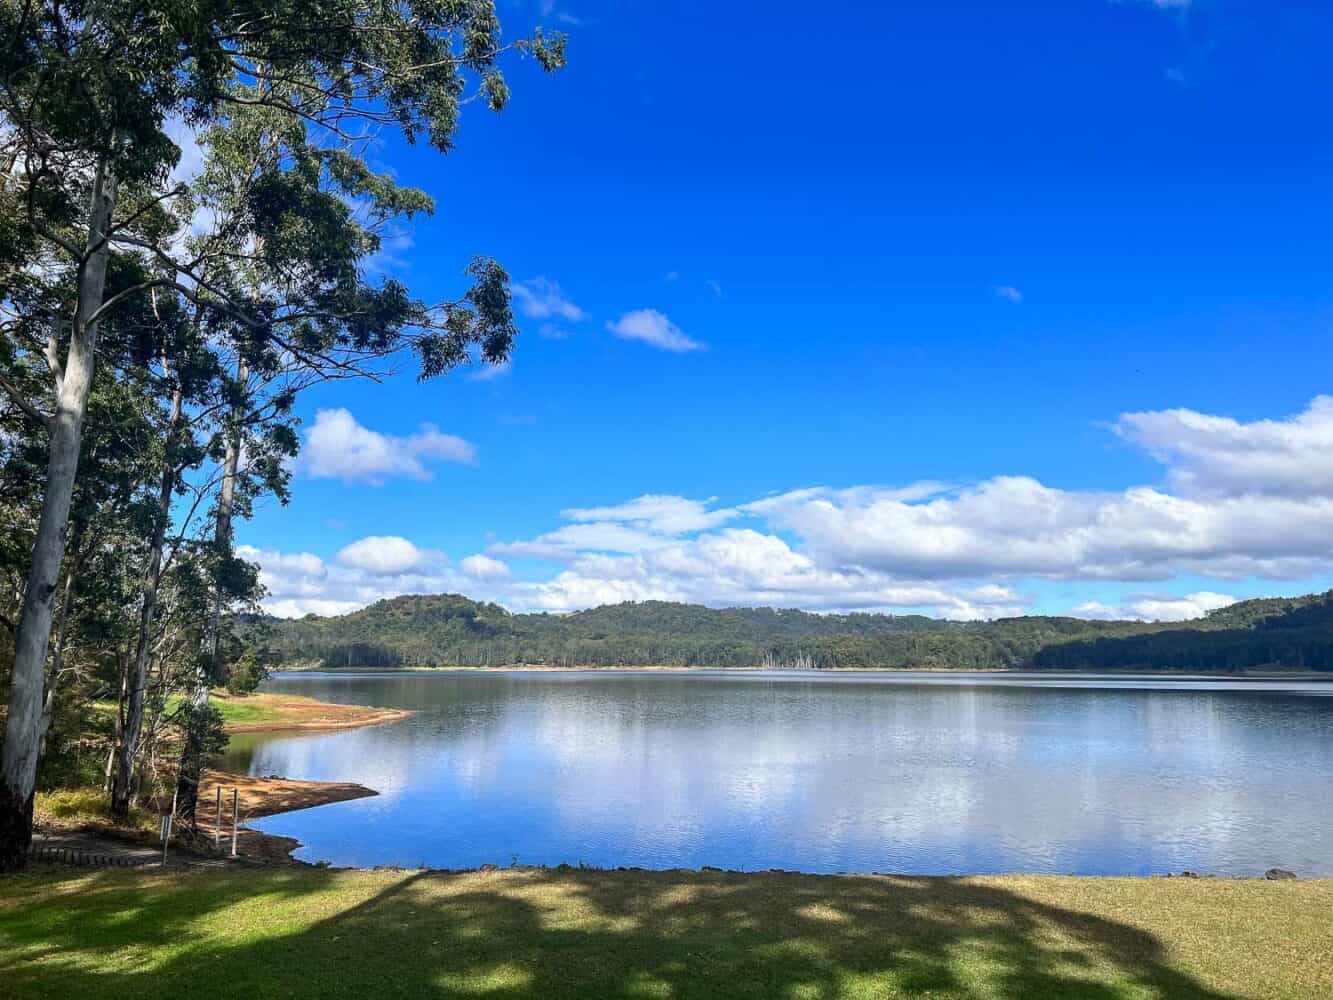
x: 542, y: 298
x: 1017, y: 526
x: 748, y: 567
x: 1011, y: 293
x: 1242, y: 500
x: 383, y: 554
x: 652, y: 327
x: 338, y: 447
x: 646, y: 522
x: 1157, y: 607
x: 1209, y: 455
x: 1165, y: 608
x: 480, y: 567
x: 367, y: 571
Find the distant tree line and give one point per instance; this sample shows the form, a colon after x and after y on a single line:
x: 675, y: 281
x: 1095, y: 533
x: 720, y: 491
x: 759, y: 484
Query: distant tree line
x: 450, y: 630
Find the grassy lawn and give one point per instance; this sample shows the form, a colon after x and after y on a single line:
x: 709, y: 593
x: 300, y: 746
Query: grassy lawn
x: 296, y: 933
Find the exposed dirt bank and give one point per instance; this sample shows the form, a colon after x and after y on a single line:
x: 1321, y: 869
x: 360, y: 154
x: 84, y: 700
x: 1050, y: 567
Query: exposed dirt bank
x: 256, y: 797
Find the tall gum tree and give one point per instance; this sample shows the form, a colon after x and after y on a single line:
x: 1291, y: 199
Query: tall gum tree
x: 86, y: 91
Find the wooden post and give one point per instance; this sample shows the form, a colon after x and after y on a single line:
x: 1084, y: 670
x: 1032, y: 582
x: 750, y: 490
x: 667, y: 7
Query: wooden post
x: 235, y: 813
x: 217, y: 820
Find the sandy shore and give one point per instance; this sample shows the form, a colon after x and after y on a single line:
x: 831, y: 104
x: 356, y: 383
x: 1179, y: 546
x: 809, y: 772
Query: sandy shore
x: 273, y: 713
x: 257, y: 797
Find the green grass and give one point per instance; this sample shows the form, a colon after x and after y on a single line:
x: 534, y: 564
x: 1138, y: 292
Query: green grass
x: 237, y: 708
x: 240, y: 710
x: 72, y: 807
x: 296, y: 933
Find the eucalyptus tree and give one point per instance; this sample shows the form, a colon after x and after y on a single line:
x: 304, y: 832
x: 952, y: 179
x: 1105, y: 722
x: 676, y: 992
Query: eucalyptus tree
x: 86, y: 92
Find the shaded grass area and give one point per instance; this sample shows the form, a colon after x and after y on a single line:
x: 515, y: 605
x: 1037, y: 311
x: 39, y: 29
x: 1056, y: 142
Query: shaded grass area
x: 571, y: 933
x: 89, y: 807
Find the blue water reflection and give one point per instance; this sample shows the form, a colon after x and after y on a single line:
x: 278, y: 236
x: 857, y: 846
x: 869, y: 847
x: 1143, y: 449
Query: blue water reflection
x: 919, y: 773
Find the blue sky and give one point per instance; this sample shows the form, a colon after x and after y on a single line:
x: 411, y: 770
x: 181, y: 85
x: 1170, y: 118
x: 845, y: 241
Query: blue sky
x: 763, y: 249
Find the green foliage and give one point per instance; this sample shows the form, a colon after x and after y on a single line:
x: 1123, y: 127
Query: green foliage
x: 450, y: 630
x: 1274, y: 633
x: 246, y: 673
x: 205, y: 736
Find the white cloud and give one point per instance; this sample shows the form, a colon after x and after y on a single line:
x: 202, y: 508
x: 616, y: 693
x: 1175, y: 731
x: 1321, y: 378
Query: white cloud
x: 646, y: 522
x: 542, y: 298
x: 669, y: 515
x: 563, y: 543
x: 1157, y: 607
x: 1016, y: 526
x: 653, y: 327
x: 1165, y: 608
x: 1244, y: 500
x: 337, y: 447
x: 382, y: 554
x: 481, y: 567
x: 1210, y: 455
x: 714, y: 286
x: 1098, y: 610
x: 1011, y: 293
x: 747, y: 567
x: 367, y: 571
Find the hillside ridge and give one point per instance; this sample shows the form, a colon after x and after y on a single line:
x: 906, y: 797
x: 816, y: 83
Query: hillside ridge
x: 454, y: 630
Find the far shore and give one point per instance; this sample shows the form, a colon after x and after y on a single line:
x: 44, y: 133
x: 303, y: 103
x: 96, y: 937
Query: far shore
x: 1274, y: 675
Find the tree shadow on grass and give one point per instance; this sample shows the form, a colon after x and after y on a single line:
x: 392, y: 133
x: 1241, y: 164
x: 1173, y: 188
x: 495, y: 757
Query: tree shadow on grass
x: 570, y: 933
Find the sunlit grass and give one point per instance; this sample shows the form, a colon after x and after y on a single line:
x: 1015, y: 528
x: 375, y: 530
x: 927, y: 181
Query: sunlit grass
x: 519, y: 933
x: 240, y: 708
x: 91, y: 807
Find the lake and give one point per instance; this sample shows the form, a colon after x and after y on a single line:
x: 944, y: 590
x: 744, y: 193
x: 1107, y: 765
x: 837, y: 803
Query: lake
x: 855, y: 772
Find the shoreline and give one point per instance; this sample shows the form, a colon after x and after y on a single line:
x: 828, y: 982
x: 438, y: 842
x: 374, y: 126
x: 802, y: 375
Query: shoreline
x: 258, y: 797
x: 266, y: 712
x: 1252, y: 675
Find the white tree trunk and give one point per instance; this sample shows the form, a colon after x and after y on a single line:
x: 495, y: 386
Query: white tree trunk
x: 18, y: 772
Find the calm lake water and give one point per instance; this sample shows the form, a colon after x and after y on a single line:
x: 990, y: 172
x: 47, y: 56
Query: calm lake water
x: 913, y: 773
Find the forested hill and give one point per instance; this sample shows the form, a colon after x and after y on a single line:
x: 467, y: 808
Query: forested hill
x: 451, y: 630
